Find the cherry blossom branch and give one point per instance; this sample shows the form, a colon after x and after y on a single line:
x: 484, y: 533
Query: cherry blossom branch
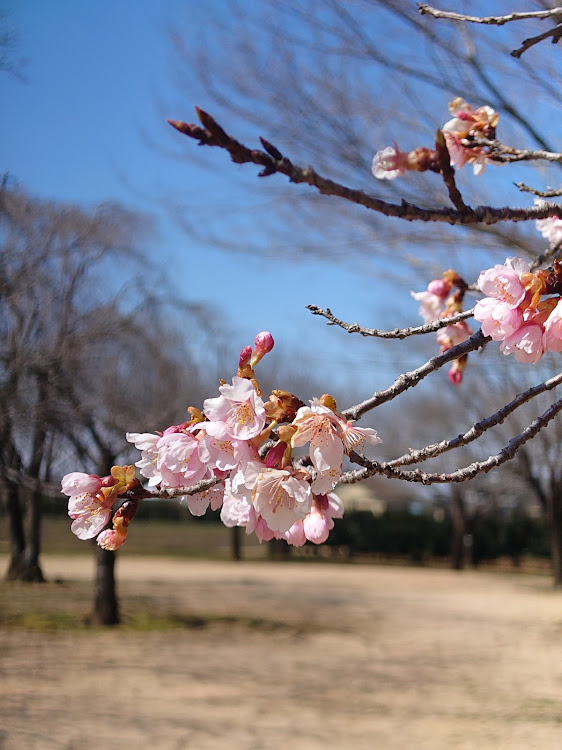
x: 539, y: 193
x: 547, y: 256
x: 140, y: 493
x: 477, y: 429
x: 448, y: 173
x: 396, y: 333
x: 273, y: 161
x: 371, y: 468
x: 411, y: 379
x: 425, y: 9
x: 509, y: 154
x: 555, y: 32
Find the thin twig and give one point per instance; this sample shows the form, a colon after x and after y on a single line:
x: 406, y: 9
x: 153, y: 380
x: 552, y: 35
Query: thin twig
x: 508, y: 154
x: 396, y: 333
x: 371, y: 468
x: 448, y: 173
x: 555, y: 32
x: 547, y: 256
x: 539, y: 193
x: 213, y: 135
x: 477, y: 429
x: 411, y: 379
x: 490, y: 20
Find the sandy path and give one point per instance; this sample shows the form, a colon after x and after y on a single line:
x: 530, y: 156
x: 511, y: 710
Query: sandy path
x: 343, y: 657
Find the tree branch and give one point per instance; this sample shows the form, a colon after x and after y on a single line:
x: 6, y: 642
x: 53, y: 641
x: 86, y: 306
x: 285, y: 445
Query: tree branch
x: 539, y: 193
x: 411, y: 379
x: 213, y: 135
x: 477, y: 429
x: 396, y: 333
x: 491, y: 20
x: 555, y: 32
x: 460, y: 475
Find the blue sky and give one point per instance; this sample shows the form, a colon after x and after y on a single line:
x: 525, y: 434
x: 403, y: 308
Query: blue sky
x: 88, y: 125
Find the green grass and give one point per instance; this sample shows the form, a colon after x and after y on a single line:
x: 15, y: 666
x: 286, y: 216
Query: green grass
x: 187, y: 538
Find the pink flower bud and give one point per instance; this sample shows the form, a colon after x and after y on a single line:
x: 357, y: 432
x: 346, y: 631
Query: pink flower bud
x: 439, y: 287
x: 263, y: 344
x: 274, y: 456
x: 245, y: 355
x: 111, y: 540
x: 455, y: 376
x: 108, y: 481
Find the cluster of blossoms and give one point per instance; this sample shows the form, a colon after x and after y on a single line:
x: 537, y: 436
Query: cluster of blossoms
x: 461, y: 134
x: 551, y: 227
x: 439, y: 301
x: 515, y: 312
x: 243, y: 445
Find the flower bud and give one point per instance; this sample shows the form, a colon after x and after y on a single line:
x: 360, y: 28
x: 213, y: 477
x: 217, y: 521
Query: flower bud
x: 262, y: 345
x: 439, y: 287
x: 245, y: 355
x: 328, y: 401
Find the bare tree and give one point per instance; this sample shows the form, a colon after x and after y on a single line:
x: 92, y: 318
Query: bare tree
x: 84, y: 355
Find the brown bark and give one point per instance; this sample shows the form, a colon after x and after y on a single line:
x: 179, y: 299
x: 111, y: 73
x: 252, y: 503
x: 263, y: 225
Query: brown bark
x: 236, y: 543
x: 106, y: 607
x: 14, y: 512
x: 458, y: 517
x: 555, y: 522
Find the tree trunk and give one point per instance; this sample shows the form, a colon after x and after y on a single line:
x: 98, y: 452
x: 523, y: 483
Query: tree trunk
x: 236, y: 543
x: 14, y: 511
x: 106, y: 607
x: 32, y: 570
x: 458, y: 517
x: 555, y: 522
x: 279, y: 549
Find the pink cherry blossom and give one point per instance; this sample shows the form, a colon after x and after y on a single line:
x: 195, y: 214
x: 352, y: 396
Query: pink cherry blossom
x: 317, y: 425
x: 551, y: 227
x: 77, y: 483
x: 111, y: 539
x: 526, y: 343
x: 147, y: 443
x: 262, y: 530
x: 354, y: 437
x: 389, y: 163
x: 199, y: 503
x: 467, y: 120
x: 317, y: 526
x: 452, y: 335
x: 504, y: 282
x: 222, y: 452
x: 178, y: 460
x: 498, y: 319
x: 319, y: 521
x: 238, y: 510
x: 431, y: 305
x: 281, y: 498
x: 295, y: 536
x: 238, y: 411
x: 553, y: 330
x: 460, y: 155
x: 88, y: 506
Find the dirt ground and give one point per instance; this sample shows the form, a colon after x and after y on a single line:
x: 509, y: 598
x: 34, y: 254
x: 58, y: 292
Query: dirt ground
x: 304, y: 656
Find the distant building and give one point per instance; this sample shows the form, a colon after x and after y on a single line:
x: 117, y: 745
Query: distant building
x: 360, y: 497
